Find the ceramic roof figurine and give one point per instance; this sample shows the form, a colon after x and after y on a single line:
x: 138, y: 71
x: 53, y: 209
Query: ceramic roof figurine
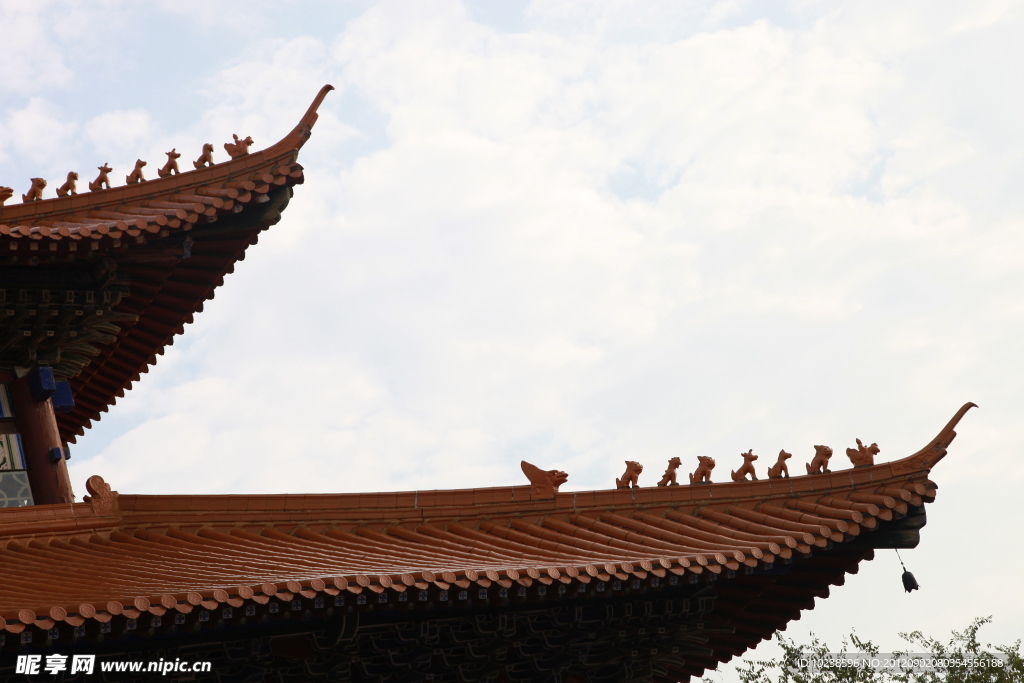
x: 747, y: 468
x: 631, y: 476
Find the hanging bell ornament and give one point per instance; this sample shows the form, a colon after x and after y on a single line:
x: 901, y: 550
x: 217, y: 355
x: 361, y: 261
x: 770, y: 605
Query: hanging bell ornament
x: 909, y: 582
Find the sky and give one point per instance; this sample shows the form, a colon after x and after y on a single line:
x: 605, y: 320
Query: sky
x: 578, y: 233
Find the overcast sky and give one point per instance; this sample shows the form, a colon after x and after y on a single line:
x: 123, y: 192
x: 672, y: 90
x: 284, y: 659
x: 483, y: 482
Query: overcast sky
x: 578, y: 233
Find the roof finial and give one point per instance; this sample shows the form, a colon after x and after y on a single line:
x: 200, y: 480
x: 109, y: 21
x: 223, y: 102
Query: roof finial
x: 702, y: 475
x: 172, y: 164
x: 780, y: 469
x: 136, y: 175
x: 862, y: 455
x: 35, y: 193
x: 70, y: 186
x: 545, y: 483
x: 669, y: 478
x: 103, y: 500
x: 747, y: 468
x: 239, y: 148
x: 631, y: 476
x: 819, y: 465
x: 102, y: 180
x: 206, y: 158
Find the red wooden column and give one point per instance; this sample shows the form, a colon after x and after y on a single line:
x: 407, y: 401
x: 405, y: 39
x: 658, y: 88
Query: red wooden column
x: 37, y: 425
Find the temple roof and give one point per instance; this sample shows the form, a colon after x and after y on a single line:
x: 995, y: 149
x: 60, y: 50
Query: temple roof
x: 153, y: 251
x: 770, y: 546
x: 95, y: 285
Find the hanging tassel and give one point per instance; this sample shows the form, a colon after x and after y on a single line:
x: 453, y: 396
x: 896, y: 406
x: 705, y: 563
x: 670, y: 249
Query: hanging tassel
x: 909, y: 582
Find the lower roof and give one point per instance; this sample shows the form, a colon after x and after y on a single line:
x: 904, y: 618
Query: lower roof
x: 126, y: 555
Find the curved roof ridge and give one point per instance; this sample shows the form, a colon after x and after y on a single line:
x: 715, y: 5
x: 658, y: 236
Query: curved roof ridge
x: 33, y: 211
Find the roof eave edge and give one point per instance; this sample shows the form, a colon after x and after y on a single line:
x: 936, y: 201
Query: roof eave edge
x: 927, y: 457
x: 298, y: 135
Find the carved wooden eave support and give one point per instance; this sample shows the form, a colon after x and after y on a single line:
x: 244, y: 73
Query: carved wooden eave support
x: 58, y: 316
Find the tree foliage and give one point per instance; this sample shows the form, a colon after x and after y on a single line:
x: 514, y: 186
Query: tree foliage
x: 963, y: 645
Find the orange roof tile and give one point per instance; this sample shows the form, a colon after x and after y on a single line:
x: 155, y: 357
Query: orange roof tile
x: 129, y: 555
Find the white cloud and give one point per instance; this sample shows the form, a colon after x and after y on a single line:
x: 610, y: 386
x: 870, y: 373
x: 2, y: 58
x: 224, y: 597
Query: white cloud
x: 121, y: 131
x: 31, y: 58
x: 37, y: 131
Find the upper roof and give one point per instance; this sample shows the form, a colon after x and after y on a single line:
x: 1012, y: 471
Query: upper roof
x: 159, y: 248
x: 130, y: 554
